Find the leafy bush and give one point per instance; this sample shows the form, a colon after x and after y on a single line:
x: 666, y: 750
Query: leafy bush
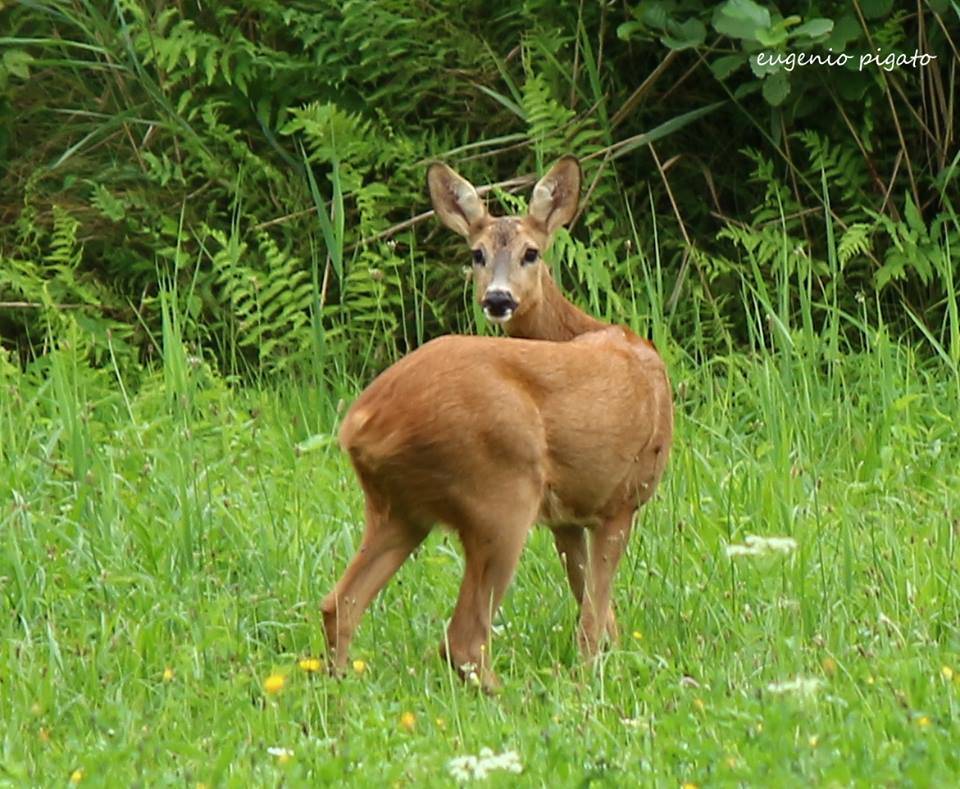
x: 270, y: 158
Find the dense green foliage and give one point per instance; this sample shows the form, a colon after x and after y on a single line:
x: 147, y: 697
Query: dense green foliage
x: 263, y: 156
x: 212, y: 235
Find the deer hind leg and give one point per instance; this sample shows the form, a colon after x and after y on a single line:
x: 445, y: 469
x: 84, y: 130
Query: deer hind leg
x: 387, y: 541
x: 492, y: 547
x: 607, y: 542
x: 571, y: 542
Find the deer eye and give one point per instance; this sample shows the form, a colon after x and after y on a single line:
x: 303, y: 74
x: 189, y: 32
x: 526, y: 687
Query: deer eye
x: 478, y: 257
x: 531, y: 255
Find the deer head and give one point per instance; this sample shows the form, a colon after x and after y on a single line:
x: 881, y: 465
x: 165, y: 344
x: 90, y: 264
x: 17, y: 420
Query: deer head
x: 509, y: 271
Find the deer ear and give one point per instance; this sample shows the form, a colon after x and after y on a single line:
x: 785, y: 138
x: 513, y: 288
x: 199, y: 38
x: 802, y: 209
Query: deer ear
x: 555, y: 197
x: 455, y: 200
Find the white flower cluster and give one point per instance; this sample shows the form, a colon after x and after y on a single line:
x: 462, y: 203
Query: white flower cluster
x: 636, y: 723
x: 280, y: 753
x: 802, y: 686
x: 469, y: 768
x: 761, y: 546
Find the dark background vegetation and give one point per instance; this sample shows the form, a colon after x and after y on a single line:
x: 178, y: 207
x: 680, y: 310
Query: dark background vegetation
x: 263, y: 160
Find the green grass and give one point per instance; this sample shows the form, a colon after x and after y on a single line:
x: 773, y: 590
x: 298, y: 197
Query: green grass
x: 170, y: 522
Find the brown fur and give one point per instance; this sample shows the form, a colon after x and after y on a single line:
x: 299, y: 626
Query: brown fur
x: 489, y: 435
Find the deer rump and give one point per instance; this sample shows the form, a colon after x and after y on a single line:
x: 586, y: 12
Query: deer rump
x: 454, y: 427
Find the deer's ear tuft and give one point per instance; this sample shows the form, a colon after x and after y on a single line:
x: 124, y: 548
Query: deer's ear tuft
x: 455, y: 200
x: 556, y: 195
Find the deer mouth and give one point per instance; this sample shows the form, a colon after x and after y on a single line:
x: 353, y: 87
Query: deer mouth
x: 499, y: 318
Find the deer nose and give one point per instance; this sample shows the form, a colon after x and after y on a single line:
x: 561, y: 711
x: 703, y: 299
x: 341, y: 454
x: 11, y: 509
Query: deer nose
x: 498, y: 304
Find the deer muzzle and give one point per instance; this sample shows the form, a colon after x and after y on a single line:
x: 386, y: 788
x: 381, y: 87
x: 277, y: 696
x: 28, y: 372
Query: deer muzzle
x: 498, y: 305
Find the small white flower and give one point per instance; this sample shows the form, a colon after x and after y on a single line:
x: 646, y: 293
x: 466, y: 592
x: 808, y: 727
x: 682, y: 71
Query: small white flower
x: 775, y: 544
x: 476, y: 768
x: 740, y: 550
x: 761, y: 546
x: 636, y: 723
x: 802, y: 686
x: 463, y: 768
x: 508, y: 760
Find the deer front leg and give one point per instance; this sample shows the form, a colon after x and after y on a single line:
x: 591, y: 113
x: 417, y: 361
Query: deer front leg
x: 571, y: 542
x: 607, y: 542
x: 387, y: 542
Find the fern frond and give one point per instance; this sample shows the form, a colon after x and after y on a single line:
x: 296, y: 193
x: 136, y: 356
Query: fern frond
x: 855, y: 241
x: 545, y: 117
x: 841, y: 163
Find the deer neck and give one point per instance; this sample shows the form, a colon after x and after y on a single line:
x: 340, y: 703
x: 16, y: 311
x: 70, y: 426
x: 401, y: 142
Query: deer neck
x: 554, y: 318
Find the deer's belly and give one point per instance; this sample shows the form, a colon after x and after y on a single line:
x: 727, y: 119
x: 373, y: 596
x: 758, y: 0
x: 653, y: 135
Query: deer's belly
x: 557, y: 511
x: 586, y: 494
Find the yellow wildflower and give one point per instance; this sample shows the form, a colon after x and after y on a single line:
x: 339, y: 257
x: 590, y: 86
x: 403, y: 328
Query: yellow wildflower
x: 923, y: 721
x: 829, y: 666
x: 311, y: 665
x: 947, y: 673
x: 283, y: 755
x: 274, y: 683
x: 638, y: 635
x: 408, y: 721
x: 76, y: 776
x: 359, y: 666
x: 700, y: 706
x: 168, y: 674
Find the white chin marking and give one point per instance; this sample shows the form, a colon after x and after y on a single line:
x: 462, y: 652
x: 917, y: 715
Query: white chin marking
x: 498, y: 319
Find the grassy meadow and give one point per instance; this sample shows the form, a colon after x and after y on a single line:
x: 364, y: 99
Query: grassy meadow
x: 167, y: 540
x: 213, y: 234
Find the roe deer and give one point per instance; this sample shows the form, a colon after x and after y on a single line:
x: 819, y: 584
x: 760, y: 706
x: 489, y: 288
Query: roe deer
x: 489, y: 435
